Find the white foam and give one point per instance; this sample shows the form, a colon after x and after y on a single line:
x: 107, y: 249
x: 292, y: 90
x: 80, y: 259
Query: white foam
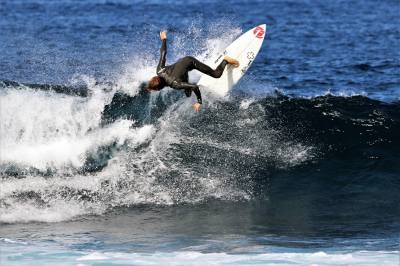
x: 364, y: 258
x: 134, y: 74
x: 58, y: 211
x: 66, y: 150
x: 244, y: 104
x: 43, y: 253
x: 94, y: 256
x: 45, y: 129
x: 11, y: 241
x: 61, y: 207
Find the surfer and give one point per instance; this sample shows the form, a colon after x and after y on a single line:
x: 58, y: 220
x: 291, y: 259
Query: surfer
x: 176, y: 75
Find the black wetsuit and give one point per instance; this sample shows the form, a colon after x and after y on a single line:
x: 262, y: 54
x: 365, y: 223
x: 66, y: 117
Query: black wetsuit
x: 176, y: 75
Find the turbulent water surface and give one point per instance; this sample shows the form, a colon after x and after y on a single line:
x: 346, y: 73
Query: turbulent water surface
x: 298, y: 165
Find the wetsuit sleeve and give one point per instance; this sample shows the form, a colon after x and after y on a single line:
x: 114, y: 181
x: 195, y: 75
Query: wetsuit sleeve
x: 193, y: 87
x: 163, y: 55
x: 196, y: 91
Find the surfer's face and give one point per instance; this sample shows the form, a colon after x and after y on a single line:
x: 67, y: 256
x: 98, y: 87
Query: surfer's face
x: 155, y: 84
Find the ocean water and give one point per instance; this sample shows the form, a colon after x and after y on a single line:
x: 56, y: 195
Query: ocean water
x: 299, y: 165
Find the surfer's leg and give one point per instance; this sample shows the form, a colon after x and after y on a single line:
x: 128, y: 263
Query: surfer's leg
x: 215, y: 73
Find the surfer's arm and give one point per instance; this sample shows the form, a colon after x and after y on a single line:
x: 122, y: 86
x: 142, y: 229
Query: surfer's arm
x: 163, y: 51
x: 196, y: 91
x: 185, y: 86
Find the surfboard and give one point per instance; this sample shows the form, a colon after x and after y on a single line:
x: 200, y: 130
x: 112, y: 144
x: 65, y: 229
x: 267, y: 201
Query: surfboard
x: 244, y: 49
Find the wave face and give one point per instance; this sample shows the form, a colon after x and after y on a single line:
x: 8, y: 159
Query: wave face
x: 65, y: 155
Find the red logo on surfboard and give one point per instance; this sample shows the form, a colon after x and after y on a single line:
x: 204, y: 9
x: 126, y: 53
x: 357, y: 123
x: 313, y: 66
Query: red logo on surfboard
x: 259, y: 32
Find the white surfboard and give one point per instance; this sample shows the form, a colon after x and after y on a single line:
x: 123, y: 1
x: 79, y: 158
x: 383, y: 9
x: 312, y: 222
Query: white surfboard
x: 245, y: 50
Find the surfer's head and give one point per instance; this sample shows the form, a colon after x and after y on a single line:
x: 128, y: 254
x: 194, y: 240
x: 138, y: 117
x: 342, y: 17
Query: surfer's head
x: 155, y: 84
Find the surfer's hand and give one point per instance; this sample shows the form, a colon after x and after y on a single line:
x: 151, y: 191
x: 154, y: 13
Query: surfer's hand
x: 197, y: 107
x: 163, y: 35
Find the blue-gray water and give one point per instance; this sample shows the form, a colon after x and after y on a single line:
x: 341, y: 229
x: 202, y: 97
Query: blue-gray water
x: 299, y: 165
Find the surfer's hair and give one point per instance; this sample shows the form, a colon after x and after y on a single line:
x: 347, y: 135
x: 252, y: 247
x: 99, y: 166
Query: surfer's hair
x: 155, y: 84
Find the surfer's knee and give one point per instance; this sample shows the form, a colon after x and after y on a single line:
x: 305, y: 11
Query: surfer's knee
x: 217, y: 73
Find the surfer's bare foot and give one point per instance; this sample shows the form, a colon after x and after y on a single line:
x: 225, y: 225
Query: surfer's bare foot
x: 231, y: 61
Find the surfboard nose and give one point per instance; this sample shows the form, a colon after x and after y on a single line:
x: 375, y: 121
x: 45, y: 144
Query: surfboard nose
x: 260, y: 31
x: 263, y: 26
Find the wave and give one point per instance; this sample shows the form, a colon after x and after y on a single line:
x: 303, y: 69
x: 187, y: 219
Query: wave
x: 68, y: 152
